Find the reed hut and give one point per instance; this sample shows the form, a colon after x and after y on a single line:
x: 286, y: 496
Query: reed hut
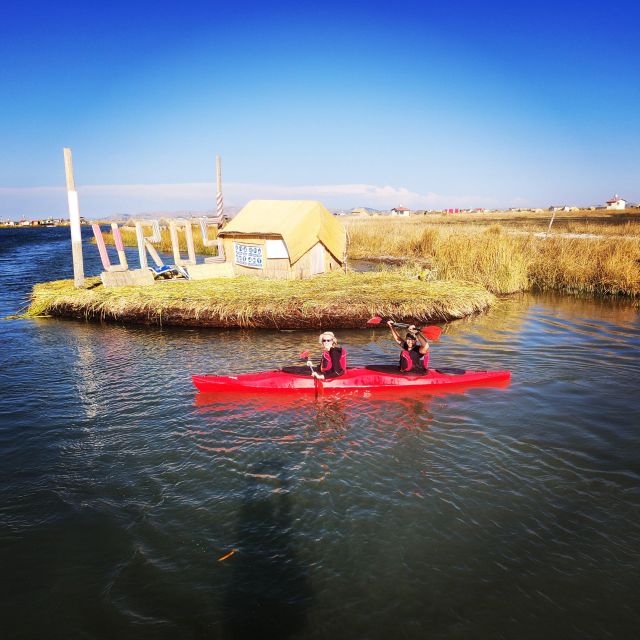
x: 284, y: 239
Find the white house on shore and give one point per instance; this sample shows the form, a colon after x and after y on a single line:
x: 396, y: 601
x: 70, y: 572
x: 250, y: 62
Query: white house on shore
x: 401, y: 211
x: 616, y: 203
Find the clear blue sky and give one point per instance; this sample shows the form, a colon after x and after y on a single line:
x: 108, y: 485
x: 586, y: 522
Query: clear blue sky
x: 426, y: 104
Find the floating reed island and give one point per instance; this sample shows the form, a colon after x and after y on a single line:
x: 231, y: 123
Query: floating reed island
x: 335, y: 300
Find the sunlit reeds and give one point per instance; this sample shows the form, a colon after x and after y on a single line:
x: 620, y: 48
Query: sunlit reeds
x: 507, y: 261
x: 333, y: 300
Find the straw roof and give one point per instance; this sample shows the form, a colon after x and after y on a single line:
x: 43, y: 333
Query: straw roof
x: 300, y: 223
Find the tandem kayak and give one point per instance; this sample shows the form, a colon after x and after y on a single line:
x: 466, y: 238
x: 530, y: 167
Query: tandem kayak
x: 367, y: 377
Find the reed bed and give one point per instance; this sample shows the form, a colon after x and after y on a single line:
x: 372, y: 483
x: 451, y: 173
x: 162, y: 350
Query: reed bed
x: 504, y: 262
x: 572, y: 265
x: 336, y: 300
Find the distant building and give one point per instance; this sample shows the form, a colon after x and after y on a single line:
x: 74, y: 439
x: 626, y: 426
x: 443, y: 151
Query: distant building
x: 559, y: 207
x: 616, y: 203
x: 401, y: 211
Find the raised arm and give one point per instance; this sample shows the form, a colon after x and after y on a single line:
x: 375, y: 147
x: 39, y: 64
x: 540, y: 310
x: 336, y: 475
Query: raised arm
x: 422, y: 341
x: 396, y: 337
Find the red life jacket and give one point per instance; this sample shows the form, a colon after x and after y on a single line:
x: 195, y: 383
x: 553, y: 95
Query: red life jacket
x: 413, y: 360
x: 334, y: 362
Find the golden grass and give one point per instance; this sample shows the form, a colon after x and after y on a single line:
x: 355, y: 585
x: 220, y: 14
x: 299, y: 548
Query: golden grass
x: 503, y: 261
x: 572, y: 265
x: 333, y: 300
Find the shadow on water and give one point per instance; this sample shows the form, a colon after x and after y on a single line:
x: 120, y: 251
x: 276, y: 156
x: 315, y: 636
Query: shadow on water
x: 268, y: 593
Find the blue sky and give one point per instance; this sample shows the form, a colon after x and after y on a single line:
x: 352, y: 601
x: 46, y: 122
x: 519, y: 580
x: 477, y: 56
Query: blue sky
x: 425, y: 104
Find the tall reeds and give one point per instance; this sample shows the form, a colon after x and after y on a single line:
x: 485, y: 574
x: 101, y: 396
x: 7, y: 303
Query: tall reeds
x: 503, y: 261
x: 572, y: 265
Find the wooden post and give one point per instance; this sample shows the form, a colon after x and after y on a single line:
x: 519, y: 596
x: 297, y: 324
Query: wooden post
x: 74, y: 218
x: 553, y: 217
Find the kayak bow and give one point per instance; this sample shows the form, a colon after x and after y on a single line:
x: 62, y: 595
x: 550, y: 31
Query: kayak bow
x: 368, y: 377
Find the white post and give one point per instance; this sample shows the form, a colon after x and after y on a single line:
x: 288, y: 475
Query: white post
x: 74, y: 218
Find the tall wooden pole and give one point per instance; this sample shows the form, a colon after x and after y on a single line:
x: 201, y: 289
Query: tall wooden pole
x: 74, y: 218
x: 219, y: 202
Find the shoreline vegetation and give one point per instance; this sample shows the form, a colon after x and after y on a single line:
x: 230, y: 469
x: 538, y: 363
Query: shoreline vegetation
x: 337, y: 300
x: 506, y: 262
x: 438, y: 268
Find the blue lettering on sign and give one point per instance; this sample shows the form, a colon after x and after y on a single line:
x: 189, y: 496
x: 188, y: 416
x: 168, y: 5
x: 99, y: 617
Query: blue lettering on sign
x: 248, y: 255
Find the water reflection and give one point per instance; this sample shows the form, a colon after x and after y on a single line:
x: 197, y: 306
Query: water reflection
x: 235, y: 423
x: 268, y: 592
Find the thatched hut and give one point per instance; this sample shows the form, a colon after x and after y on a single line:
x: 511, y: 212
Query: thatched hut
x: 285, y: 239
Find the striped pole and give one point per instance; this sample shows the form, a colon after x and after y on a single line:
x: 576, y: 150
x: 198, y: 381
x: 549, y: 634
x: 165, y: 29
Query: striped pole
x: 219, y: 202
x: 74, y: 219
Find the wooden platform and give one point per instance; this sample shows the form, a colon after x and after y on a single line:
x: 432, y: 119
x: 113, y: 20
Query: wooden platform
x: 130, y: 278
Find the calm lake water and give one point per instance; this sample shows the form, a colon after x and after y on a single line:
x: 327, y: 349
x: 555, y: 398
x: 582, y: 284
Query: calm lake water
x: 489, y: 513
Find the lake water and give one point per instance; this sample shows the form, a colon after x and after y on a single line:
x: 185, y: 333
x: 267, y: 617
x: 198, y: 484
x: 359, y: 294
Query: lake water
x: 490, y: 513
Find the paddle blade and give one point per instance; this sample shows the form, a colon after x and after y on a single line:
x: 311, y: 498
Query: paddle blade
x: 374, y: 320
x: 304, y: 355
x: 431, y: 332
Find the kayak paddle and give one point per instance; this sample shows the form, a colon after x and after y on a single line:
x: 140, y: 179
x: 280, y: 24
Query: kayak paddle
x: 431, y: 332
x: 305, y: 356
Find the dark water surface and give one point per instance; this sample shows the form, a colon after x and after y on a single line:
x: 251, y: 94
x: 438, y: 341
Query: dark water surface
x: 489, y: 513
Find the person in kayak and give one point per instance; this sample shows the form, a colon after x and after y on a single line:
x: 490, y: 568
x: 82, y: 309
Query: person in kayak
x: 415, y: 349
x: 334, y: 358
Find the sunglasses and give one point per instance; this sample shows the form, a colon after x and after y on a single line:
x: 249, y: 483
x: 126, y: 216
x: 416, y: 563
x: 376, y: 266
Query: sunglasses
x: 327, y: 340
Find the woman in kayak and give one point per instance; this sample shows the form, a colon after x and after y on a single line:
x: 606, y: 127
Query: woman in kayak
x: 415, y: 349
x: 334, y: 358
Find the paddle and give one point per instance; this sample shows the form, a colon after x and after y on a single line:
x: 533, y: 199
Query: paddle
x: 305, y: 356
x: 431, y: 332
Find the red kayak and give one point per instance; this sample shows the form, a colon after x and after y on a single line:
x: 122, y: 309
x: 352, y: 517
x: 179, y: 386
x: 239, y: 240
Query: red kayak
x: 369, y: 377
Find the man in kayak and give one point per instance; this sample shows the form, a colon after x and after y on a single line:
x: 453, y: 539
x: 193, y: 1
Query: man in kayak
x: 415, y: 349
x: 334, y: 358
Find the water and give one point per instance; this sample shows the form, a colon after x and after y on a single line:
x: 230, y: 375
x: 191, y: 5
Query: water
x: 489, y: 513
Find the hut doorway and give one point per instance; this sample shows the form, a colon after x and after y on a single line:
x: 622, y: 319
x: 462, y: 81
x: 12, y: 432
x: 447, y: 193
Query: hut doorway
x: 317, y: 259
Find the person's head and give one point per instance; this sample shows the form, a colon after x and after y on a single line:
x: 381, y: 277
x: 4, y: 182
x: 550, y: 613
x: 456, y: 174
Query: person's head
x: 410, y: 339
x: 327, y: 340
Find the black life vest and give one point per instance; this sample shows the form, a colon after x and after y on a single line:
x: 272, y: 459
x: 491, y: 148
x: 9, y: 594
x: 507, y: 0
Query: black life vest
x: 413, y: 360
x: 333, y: 362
